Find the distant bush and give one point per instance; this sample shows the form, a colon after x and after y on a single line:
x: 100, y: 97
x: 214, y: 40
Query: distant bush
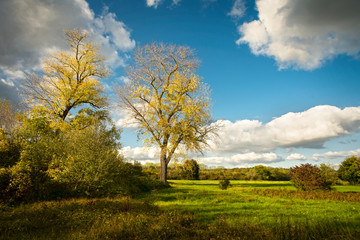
x: 190, y: 170
x: 328, y: 174
x: 224, y: 184
x: 349, y: 170
x: 308, y: 177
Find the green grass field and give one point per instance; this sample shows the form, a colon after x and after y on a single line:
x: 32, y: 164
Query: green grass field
x: 260, y: 202
x: 194, y: 210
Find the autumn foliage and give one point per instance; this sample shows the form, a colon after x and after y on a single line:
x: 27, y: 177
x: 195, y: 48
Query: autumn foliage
x: 307, y: 177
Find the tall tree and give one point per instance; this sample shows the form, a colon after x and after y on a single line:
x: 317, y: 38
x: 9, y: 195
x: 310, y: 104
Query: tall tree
x: 168, y: 100
x: 69, y: 79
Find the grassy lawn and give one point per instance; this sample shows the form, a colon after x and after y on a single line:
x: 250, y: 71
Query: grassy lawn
x: 194, y: 210
x: 260, y: 202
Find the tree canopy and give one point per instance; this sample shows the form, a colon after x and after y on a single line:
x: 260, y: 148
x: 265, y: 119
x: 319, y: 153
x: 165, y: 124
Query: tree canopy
x: 168, y: 100
x: 69, y: 79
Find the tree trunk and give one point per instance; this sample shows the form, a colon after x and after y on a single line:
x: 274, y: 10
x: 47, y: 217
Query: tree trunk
x: 163, y: 163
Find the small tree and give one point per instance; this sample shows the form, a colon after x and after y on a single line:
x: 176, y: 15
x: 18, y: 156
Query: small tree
x: 349, y: 170
x: 190, y: 170
x: 307, y: 177
x: 167, y: 100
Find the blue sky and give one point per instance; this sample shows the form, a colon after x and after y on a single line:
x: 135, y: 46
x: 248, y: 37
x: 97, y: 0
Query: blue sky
x: 284, y: 75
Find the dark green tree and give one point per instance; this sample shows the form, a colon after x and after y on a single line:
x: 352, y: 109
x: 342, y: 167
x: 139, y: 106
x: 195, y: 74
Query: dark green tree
x: 190, y: 170
x: 349, y: 170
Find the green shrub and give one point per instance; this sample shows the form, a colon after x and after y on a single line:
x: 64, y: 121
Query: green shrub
x: 224, y: 184
x: 328, y: 174
x: 349, y: 170
x: 190, y: 170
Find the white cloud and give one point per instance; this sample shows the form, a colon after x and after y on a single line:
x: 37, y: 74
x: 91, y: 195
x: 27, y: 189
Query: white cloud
x: 238, y: 9
x: 242, y: 159
x: 29, y: 29
x: 295, y: 156
x: 153, y: 3
x: 152, y: 154
x: 251, y: 142
x: 124, y: 118
x: 308, y: 129
x: 141, y: 153
x: 303, y: 33
x: 334, y: 155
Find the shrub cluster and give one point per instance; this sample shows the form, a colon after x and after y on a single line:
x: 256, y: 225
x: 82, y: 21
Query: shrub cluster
x: 59, y: 163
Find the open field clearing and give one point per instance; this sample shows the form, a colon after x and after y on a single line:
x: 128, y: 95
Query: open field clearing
x: 194, y: 210
x: 261, y: 202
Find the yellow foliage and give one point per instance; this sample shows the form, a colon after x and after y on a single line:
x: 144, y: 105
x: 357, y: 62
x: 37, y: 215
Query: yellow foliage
x: 168, y: 100
x: 70, y: 79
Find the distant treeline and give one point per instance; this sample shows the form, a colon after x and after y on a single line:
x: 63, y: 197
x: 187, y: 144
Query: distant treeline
x: 260, y: 172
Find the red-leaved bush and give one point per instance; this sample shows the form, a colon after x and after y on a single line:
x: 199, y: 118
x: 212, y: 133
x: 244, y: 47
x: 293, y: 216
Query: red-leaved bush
x: 307, y: 177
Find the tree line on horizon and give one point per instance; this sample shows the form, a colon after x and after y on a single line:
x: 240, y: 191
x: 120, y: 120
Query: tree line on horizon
x: 348, y: 172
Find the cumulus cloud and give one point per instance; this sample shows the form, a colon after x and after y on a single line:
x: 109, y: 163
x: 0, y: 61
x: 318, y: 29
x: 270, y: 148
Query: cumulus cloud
x: 124, y: 119
x: 335, y: 155
x: 153, y: 3
x: 152, y: 154
x: 303, y: 33
x: 29, y: 29
x: 238, y: 9
x: 243, y: 159
x: 295, y: 156
x: 141, y: 153
x: 308, y: 129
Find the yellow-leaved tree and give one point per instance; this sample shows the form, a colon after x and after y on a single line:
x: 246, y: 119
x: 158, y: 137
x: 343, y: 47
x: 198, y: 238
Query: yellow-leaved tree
x: 69, y: 79
x: 167, y: 100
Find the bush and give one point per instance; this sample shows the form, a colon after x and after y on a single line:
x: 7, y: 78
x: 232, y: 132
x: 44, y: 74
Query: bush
x: 190, y: 170
x: 70, y: 160
x: 224, y: 184
x: 307, y: 177
x: 328, y: 174
x: 349, y: 170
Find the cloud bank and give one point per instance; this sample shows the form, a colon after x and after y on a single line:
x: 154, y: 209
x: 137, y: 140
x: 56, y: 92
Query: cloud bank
x: 308, y: 129
x: 251, y: 142
x: 334, y: 155
x: 29, y: 29
x: 303, y: 33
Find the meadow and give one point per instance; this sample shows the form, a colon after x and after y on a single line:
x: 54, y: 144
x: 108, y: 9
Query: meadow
x: 194, y: 210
